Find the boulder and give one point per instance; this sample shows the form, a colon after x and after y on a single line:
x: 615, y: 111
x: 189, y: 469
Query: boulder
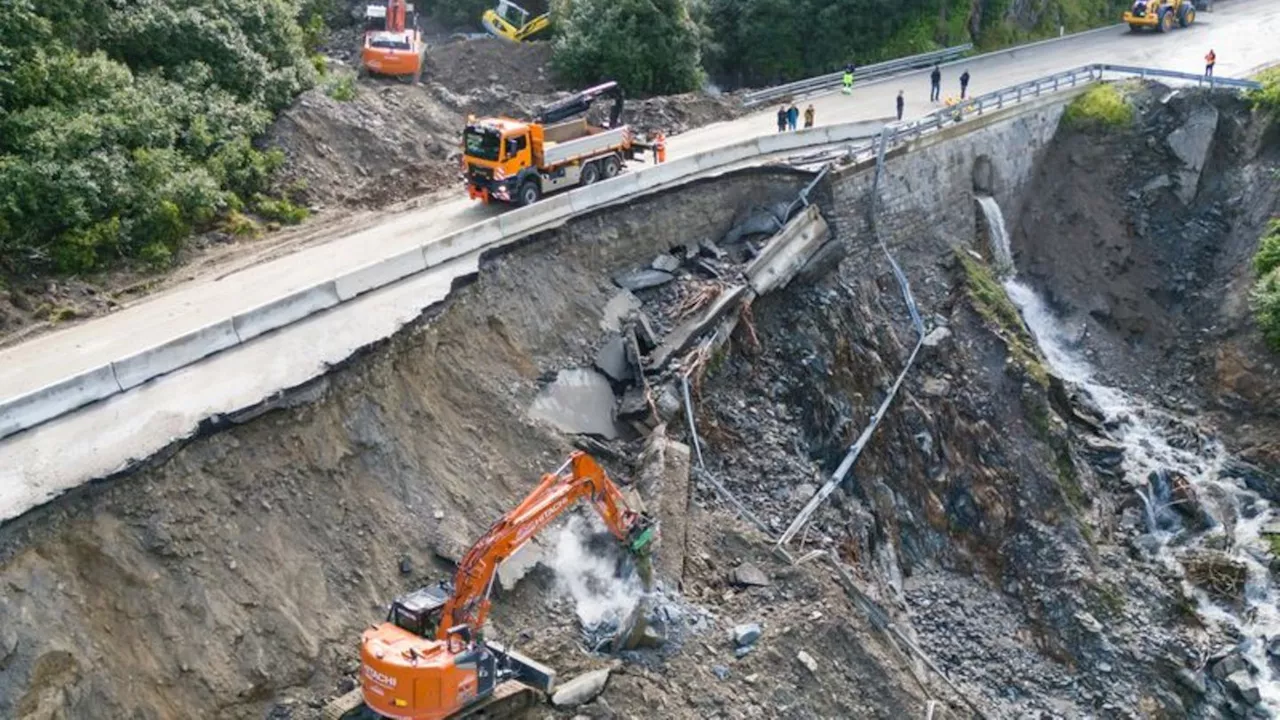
x: 666, y: 263
x: 746, y: 635
x: 1191, y: 143
x: 1229, y: 665
x: 937, y: 337
x: 642, y: 279
x: 748, y: 575
x: 1244, y: 687
x: 581, y: 690
x: 807, y: 661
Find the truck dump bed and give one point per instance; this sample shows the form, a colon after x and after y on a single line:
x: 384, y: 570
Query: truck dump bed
x: 575, y: 140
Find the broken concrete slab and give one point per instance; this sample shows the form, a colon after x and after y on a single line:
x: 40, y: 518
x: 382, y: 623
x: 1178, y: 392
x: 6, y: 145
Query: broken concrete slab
x: 612, y: 360
x: 788, y: 251
x: 759, y: 222
x: 646, y: 337
x: 682, y: 338
x: 582, y: 689
x: 642, y: 279
x: 663, y: 482
x: 580, y: 401
x: 633, y: 405
x: 748, y: 575
x: 617, y: 310
x: 1191, y: 143
x: 513, y: 569
x: 666, y: 262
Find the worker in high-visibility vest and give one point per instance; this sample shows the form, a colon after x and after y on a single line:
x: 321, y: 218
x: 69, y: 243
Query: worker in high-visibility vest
x: 848, y: 79
x: 660, y: 147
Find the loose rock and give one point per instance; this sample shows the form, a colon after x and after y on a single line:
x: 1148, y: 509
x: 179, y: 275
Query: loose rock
x: 582, y: 689
x: 746, y: 635
x: 749, y: 575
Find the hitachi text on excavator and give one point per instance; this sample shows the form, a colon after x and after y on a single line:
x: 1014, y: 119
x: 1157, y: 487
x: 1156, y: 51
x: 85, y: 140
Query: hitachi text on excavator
x: 429, y: 659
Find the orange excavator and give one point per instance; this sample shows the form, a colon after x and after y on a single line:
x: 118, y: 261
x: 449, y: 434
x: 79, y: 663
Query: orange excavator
x: 393, y: 44
x: 429, y: 661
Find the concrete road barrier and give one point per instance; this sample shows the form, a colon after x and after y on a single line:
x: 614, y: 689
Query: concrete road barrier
x: 666, y: 173
x: 48, y: 402
x: 726, y: 155
x: 285, y: 311
x: 593, y: 196
x: 381, y: 273
x: 522, y: 220
x: 169, y: 356
x: 457, y: 244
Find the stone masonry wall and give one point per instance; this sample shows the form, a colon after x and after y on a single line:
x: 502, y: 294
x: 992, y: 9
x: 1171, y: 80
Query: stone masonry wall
x: 927, y: 189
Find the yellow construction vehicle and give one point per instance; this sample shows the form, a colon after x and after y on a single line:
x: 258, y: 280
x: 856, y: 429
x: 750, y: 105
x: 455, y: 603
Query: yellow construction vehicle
x: 515, y: 161
x: 1160, y: 14
x: 509, y: 21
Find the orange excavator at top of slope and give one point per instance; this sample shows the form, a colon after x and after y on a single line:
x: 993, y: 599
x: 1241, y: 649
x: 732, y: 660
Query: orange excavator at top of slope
x: 428, y: 661
x: 393, y: 44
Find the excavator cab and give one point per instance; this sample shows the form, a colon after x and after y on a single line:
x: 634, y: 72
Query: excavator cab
x: 420, y: 611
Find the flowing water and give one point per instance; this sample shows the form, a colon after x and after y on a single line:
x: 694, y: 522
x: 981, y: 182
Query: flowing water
x: 1159, y: 446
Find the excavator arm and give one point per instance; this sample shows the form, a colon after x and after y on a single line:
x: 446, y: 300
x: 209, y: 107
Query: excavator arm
x: 581, y: 477
x: 581, y: 102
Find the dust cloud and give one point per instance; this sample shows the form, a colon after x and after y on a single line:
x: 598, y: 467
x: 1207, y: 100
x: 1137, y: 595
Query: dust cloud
x: 585, y: 559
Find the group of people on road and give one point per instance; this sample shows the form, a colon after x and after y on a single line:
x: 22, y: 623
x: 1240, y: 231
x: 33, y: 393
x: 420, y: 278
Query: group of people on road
x: 789, y: 117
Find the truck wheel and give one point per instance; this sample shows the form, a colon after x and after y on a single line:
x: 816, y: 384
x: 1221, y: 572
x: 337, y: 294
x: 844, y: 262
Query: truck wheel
x: 1165, y: 21
x: 529, y: 193
x: 590, y: 174
x: 612, y: 167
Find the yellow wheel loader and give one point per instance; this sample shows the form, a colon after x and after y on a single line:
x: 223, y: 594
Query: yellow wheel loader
x: 1161, y: 15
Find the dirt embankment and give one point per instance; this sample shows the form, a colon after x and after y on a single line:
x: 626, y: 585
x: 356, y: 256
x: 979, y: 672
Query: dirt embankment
x: 1143, y: 239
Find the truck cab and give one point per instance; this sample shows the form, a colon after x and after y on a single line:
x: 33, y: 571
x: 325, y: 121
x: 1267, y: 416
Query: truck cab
x: 498, y: 158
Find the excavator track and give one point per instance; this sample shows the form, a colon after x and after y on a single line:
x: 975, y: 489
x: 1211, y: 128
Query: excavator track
x: 506, y: 701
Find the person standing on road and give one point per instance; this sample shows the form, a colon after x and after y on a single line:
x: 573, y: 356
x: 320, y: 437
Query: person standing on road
x: 782, y: 118
x: 808, y: 116
x: 793, y: 117
x: 848, y: 79
x: 935, y: 83
x: 964, y: 84
x: 1209, y: 60
x: 902, y: 102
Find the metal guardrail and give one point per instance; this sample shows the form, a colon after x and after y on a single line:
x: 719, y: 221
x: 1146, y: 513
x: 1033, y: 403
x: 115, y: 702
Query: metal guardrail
x: 897, y: 133
x: 866, y: 72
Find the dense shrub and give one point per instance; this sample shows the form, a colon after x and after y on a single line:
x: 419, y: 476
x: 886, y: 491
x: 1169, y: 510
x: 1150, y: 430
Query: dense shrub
x: 1101, y: 107
x: 649, y: 46
x: 124, y: 126
x: 1268, y: 98
x: 1266, y: 293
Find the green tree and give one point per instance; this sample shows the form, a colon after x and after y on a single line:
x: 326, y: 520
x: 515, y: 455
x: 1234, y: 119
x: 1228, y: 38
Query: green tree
x: 648, y: 46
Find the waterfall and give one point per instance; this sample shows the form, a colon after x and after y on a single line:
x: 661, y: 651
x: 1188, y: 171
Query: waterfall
x: 1000, y: 250
x: 1158, y: 444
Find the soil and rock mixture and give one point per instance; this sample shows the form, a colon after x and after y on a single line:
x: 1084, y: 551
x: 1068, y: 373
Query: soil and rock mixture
x: 1143, y: 238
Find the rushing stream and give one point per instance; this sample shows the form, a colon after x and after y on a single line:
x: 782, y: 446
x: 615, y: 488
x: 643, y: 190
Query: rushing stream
x: 1159, y: 447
